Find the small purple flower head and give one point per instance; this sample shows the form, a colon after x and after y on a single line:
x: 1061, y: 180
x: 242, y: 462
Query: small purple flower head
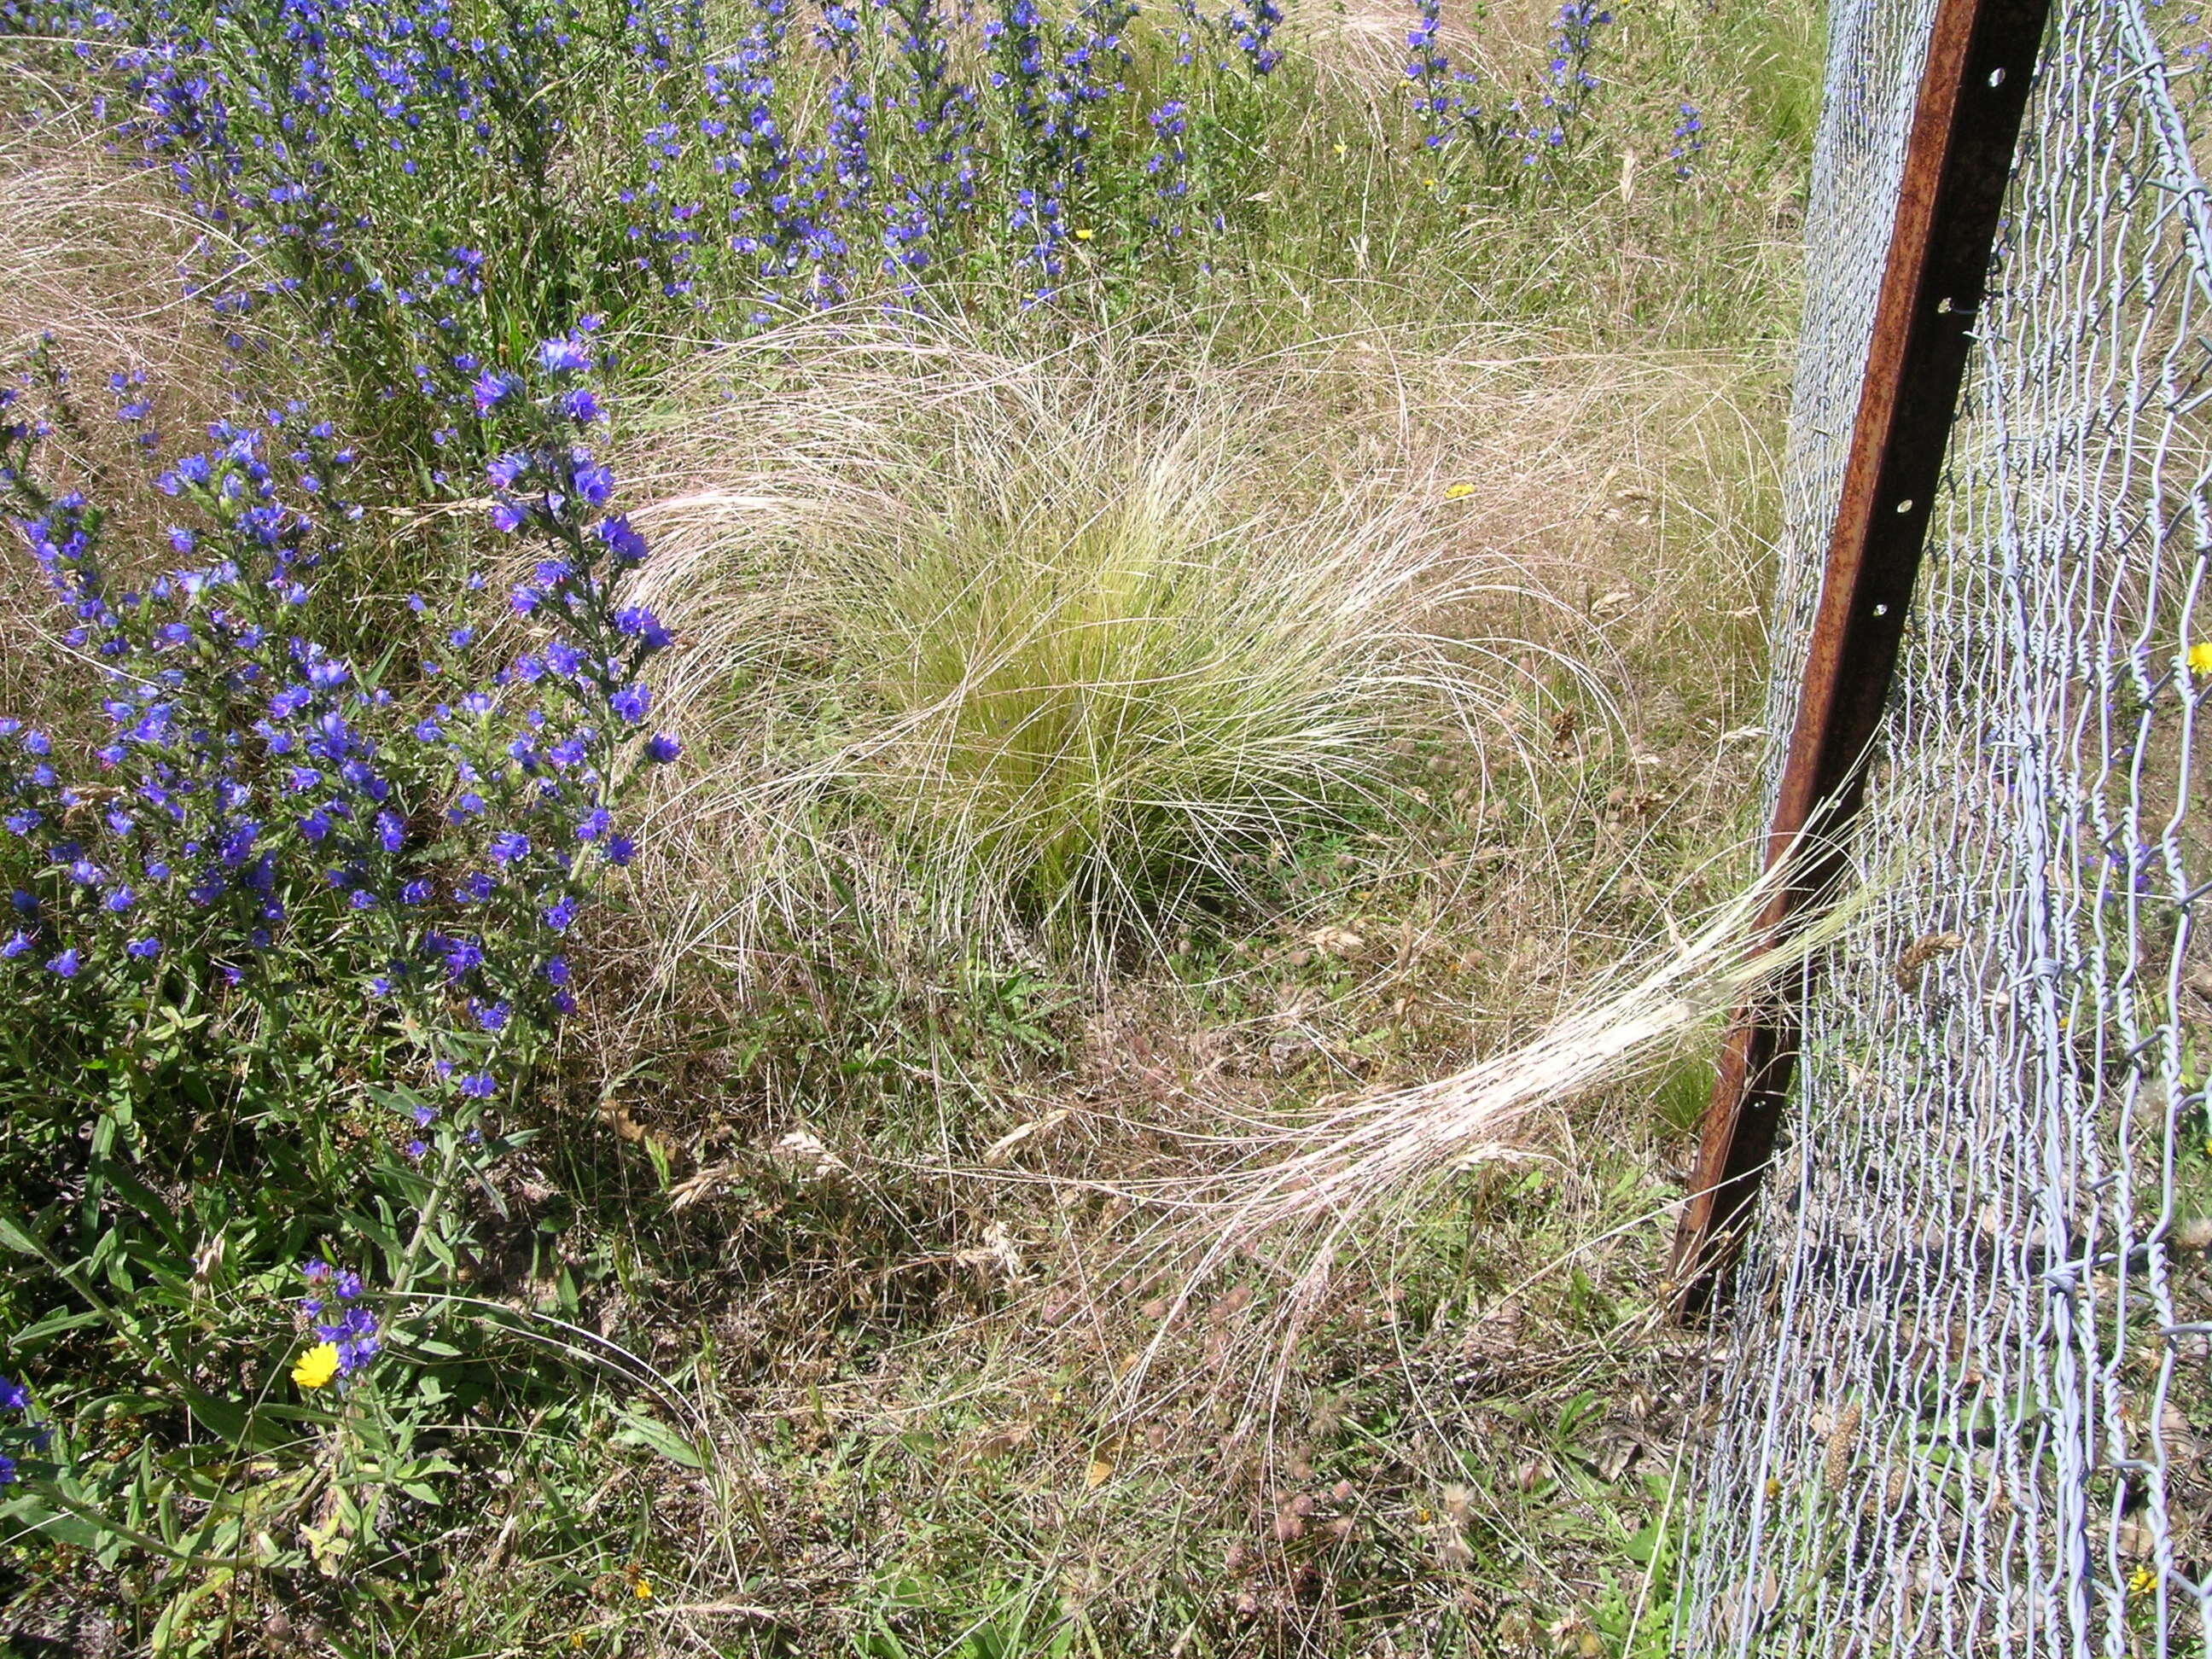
x: 635, y: 622
x: 66, y: 964
x: 590, y: 480
x: 506, y: 517
x: 144, y: 950
x: 564, y: 356
x: 478, y: 1085
x: 491, y: 390
x: 510, y: 845
x: 626, y: 544
x: 13, y: 1396
x: 581, y: 406
x: 621, y: 850
x: 633, y: 702
x: 661, y: 749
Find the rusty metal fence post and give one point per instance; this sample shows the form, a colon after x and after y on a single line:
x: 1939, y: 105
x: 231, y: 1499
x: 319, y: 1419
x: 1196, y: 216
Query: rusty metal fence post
x: 1982, y: 56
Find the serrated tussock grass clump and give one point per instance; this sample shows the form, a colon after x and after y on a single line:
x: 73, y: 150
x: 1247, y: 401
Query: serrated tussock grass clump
x: 1090, y: 702
x: 1093, y: 672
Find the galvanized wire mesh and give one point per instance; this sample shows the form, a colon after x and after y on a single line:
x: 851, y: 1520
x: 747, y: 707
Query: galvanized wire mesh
x: 1964, y: 1406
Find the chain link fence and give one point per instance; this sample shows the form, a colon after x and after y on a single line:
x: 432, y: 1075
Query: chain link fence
x: 1963, y: 1405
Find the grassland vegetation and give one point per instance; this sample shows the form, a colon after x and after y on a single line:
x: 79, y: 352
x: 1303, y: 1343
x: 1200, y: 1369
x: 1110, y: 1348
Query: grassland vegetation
x: 710, y: 708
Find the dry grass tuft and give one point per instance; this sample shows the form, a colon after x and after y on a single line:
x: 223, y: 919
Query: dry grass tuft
x: 1068, y: 647
x: 1073, y: 640
x: 92, y: 251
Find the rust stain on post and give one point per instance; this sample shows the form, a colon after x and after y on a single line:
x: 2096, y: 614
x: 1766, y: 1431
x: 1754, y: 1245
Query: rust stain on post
x: 1966, y: 124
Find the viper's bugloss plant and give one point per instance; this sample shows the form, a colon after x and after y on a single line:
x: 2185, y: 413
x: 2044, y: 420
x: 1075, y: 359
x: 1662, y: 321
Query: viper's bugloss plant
x: 412, y: 187
x: 286, y: 928
x: 256, y: 791
x: 1689, y: 141
x: 21, y: 1437
x: 1523, y: 130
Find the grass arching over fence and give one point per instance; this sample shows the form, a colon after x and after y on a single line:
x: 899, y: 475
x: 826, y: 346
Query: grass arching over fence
x: 725, y: 1332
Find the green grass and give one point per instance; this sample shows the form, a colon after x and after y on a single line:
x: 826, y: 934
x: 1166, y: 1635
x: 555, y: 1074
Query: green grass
x: 1104, y: 728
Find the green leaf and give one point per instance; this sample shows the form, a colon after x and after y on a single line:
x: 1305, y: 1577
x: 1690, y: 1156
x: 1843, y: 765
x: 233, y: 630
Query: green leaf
x: 235, y: 1423
x: 55, y: 1323
x: 126, y: 1182
x: 14, y: 1237
x: 640, y: 1430
x: 61, y: 1527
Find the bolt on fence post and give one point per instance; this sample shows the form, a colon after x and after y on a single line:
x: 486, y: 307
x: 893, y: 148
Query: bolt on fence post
x: 1973, y: 90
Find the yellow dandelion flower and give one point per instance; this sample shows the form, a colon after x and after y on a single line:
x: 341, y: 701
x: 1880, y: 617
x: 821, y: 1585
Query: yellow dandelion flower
x: 2200, y: 659
x: 1083, y: 235
x: 1458, y: 492
x: 2143, y: 1581
x: 316, y: 1367
x: 641, y: 1590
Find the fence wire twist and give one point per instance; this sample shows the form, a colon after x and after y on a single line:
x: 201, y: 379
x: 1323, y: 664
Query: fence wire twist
x: 1964, y: 1406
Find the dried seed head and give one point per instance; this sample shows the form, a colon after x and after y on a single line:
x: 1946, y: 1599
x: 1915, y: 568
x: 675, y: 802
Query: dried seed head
x: 1838, y: 1463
